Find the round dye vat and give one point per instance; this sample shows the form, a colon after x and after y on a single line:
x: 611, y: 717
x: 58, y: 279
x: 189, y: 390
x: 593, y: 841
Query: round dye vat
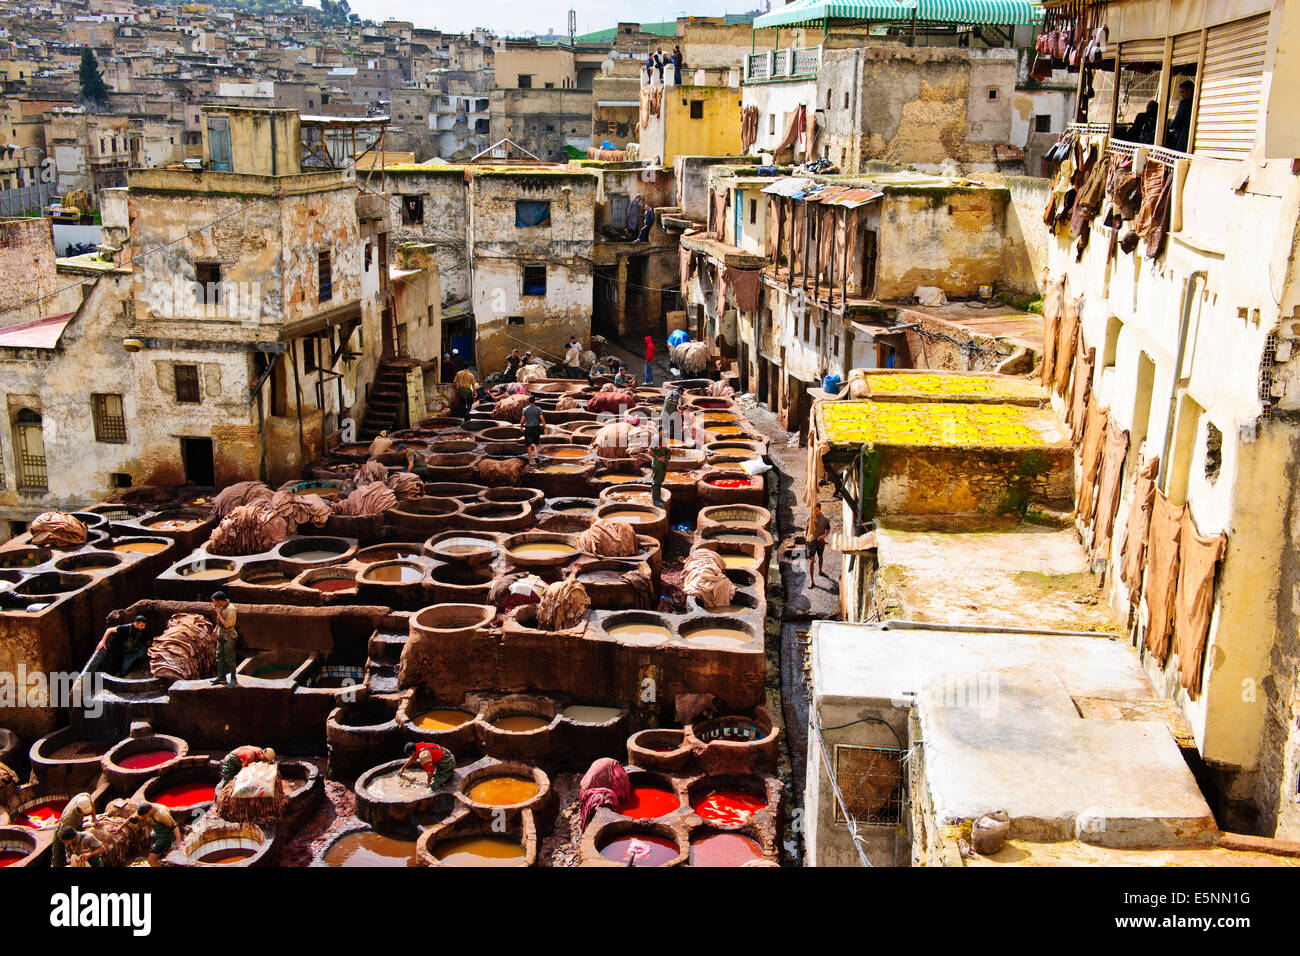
x: 590, y: 715
x: 42, y: 816
x: 543, y: 549
x: 331, y: 585
x: 520, y: 723
x: 567, y: 453
x: 371, y: 849
x: 620, y: 478
x: 563, y: 468
x: 741, y: 561
x: 317, y: 555
x: 723, y: 429
x: 203, y: 574
x: 441, y: 719
x: 728, y: 808
x: 724, y: 849
x: 472, y: 546
x: 502, y: 791
x: 10, y: 857
x: 717, y: 636
x: 736, y: 537
x: 270, y: 579
x: 186, y: 794
x: 81, y: 749
x: 730, y: 609
x: 388, y: 554
x: 140, y: 547
x: 396, y: 574
x: 647, y: 849
x: 638, y: 631
x: 479, y: 851
x: 628, y: 515
x: 174, y: 524
x: 274, y: 672
x: 648, y: 802
x: 231, y: 855
x: 573, y: 508
x: 601, y: 577
x: 399, y: 786
x: 731, y: 482
x: 145, y: 759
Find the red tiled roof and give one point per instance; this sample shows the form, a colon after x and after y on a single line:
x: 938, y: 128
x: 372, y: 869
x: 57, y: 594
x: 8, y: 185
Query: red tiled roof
x: 38, y: 334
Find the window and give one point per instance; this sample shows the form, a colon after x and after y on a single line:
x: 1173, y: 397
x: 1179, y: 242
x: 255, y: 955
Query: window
x: 697, y: 109
x: 208, y: 277
x: 829, y: 94
x: 370, y: 254
x: 993, y: 94
x: 871, y: 782
x: 29, y: 440
x: 530, y: 212
x: 771, y: 124
x: 187, y: 384
x: 219, y: 143
x: 119, y: 479
x: 846, y: 99
x: 753, y: 211
x: 110, y: 419
x: 550, y: 86
x: 1213, y: 452
x: 534, y: 280
x: 1043, y: 123
x: 413, y: 210
x: 309, y: 358
x: 806, y: 327
x: 325, y: 274
x: 515, y: 320
x: 525, y: 81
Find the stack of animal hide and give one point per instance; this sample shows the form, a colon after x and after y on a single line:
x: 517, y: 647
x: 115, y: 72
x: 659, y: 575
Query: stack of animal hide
x: 611, y: 399
x: 366, y: 501
x: 501, y: 474
x: 619, y: 440
x: 562, y: 605
x: 566, y: 403
x: 691, y: 357
x: 704, y: 576
x: 371, y: 471
x: 55, y: 529
x: 532, y: 372
x: 404, y: 485
x: 240, y: 493
x: 186, y: 650
x: 249, y: 529
x: 510, y: 408
x: 298, y: 510
x: 609, y: 538
x: 256, y: 795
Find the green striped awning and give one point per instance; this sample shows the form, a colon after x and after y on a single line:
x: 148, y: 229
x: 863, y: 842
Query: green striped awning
x: 933, y: 11
x: 814, y: 11
x: 979, y: 11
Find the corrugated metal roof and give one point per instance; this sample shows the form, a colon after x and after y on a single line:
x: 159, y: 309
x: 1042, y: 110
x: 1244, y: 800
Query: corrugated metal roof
x: 849, y: 196
x: 789, y: 186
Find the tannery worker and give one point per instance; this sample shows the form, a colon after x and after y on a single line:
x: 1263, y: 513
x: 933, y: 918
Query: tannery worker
x: 659, y: 456
x: 649, y: 357
x: 241, y: 757
x: 821, y: 527
x: 380, y: 445
x: 534, y: 421
x: 573, y: 358
x: 126, y: 646
x: 165, y: 831
x: 513, y: 361
x: 466, y: 383
x: 622, y: 379
x: 227, y: 638
x: 670, y: 422
x: 81, y: 847
x: 74, y: 815
x: 435, y: 760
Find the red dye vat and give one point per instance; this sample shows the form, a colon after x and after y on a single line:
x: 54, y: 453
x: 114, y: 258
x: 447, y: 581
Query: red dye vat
x: 330, y: 585
x: 724, y: 849
x: 647, y: 849
x: 647, y: 802
x: 730, y: 482
x: 10, y: 857
x: 145, y: 759
x: 728, y: 808
x: 186, y: 794
x: 42, y: 816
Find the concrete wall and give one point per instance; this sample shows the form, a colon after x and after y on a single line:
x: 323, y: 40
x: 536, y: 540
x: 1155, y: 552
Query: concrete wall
x: 501, y: 250
x: 544, y: 64
x: 923, y: 106
x: 951, y: 237
x: 445, y: 224
x: 26, y: 270
x: 774, y: 102
x: 543, y: 122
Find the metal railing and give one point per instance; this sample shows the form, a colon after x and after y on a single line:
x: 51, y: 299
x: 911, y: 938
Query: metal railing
x: 1121, y: 148
x: 783, y: 64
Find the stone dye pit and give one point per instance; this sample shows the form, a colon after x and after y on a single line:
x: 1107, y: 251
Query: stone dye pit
x: 424, y: 624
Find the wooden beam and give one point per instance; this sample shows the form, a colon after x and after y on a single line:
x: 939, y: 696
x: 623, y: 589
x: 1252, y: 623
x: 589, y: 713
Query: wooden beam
x: 297, y: 388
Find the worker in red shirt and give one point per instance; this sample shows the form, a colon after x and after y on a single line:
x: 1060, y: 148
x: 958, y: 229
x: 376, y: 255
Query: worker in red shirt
x: 649, y: 357
x: 436, y: 761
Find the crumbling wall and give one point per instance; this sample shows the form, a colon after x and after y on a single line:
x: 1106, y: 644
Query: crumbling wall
x: 26, y: 270
x: 444, y: 224
x: 940, y: 235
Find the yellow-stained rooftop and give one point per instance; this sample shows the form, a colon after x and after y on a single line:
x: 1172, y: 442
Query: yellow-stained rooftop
x: 948, y: 387
x: 941, y: 424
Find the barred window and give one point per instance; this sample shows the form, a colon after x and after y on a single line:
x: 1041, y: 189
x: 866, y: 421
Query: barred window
x: 29, y: 440
x: 110, y: 417
x: 187, y: 384
x: 325, y: 271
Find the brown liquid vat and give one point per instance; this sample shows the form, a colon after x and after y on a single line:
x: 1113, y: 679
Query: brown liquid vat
x: 421, y: 517
x: 316, y: 550
x: 540, y: 549
x: 459, y: 466
x: 463, y: 824
x: 534, y: 741
x: 359, y: 732
x: 456, y: 582
x: 498, y: 517
x: 663, y: 749
x: 464, y: 491
x: 635, y: 493
x: 608, y: 590
x: 388, y: 797
x: 738, y: 516
x: 646, y: 519
x: 66, y: 760
x: 541, y: 803
x: 400, y: 585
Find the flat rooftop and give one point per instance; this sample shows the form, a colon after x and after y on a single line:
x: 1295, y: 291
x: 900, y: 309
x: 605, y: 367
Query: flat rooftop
x: 989, y: 572
x: 942, y: 424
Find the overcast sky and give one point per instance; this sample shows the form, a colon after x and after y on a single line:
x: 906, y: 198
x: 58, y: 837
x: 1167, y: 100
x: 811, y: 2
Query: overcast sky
x: 536, y: 16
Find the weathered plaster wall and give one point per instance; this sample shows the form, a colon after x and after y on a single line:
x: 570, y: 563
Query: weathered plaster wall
x: 774, y: 102
x: 717, y: 132
x: 445, y: 224
x: 26, y: 270
x: 501, y: 250
x: 544, y: 122
x: 948, y: 237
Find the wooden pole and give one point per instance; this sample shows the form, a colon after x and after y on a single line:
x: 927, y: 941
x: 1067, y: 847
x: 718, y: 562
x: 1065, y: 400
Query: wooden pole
x: 297, y: 388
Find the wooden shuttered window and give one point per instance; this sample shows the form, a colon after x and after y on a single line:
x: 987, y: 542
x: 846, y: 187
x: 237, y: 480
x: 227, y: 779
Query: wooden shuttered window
x: 1232, y: 79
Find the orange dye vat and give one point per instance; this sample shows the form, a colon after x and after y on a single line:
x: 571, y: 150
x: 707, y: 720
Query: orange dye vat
x: 502, y: 791
x: 728, y: 808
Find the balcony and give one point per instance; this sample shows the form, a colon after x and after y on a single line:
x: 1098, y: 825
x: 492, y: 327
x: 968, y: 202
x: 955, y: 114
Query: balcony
x: 788, y: 64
